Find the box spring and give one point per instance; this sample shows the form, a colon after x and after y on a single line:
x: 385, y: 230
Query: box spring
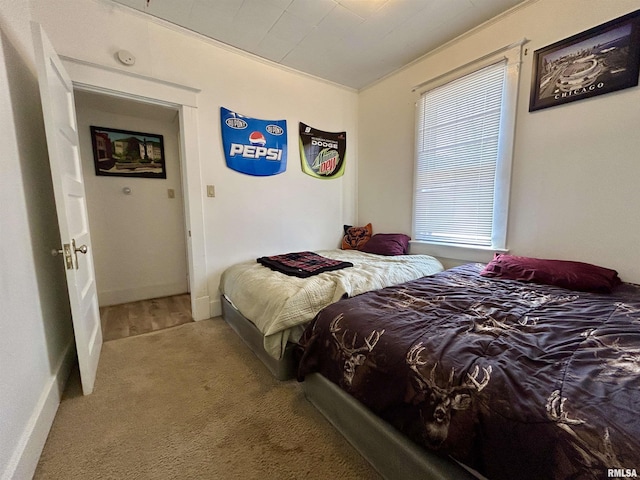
x: 283, y: 369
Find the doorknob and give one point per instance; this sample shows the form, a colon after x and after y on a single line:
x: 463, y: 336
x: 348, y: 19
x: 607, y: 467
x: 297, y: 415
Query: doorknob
x: 66, y: 251
x: 82, y: 249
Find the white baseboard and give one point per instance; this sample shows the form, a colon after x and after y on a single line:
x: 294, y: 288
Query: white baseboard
x: 202, y: 309
x: 25, y: 457
x: 215, y: 307
x: 126, y: 295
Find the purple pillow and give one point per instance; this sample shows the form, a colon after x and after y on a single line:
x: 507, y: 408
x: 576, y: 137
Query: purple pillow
x: 561, y: 273
x: 387, y: 244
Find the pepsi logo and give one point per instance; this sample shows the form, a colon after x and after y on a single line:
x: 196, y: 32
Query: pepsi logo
x: 275, y: 129
x: 257, y: 138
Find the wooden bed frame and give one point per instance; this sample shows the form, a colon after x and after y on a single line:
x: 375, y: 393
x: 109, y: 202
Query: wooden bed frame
x: 283, y: 369
x: 392, y: 454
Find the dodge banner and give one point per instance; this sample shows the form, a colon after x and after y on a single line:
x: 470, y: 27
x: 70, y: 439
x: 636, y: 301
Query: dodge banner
x: 253, y: 146
x: 322, y: 153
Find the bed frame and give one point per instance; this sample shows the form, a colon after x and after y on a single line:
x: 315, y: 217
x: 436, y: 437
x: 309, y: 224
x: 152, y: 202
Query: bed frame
x: 388, y: 451
x: 283, y: 369
x: 392, y: 454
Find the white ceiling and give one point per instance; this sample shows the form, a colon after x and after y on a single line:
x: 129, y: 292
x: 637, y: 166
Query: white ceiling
x: 349, y: 42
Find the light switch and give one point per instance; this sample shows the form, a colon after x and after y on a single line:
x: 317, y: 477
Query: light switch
x: 211, y: 191
x: 171, y: 193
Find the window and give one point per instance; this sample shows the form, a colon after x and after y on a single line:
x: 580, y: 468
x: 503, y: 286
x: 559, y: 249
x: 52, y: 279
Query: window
x: 464, y: 141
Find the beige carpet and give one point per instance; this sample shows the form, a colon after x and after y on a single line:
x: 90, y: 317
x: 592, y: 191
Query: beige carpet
x: 192, y: 402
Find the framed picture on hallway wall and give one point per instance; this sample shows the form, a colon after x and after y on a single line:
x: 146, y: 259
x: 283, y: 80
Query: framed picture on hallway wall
x: 123, y: 153
x: 600, y: 60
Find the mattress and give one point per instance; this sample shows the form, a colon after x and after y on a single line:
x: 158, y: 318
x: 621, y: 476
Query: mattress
x: 513, y: 379
x: 280, y: 305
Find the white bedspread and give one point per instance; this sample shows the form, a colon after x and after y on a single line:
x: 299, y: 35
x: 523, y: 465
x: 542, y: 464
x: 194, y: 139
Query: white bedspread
x: 280, y: 304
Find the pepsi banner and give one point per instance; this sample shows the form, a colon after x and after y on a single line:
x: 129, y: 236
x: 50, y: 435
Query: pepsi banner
x: 252, y: 146
x: 322, y: 153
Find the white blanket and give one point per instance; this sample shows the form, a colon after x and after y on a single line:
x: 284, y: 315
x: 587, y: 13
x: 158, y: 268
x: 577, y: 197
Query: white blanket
x: 279, y: 305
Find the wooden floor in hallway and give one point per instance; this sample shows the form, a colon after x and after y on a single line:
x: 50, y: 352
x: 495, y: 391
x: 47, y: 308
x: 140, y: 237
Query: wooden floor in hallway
x: 135, y: 318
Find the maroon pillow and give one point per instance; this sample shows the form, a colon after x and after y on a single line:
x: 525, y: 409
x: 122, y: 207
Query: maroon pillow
x: 561, y: 273
x: 387, y: 244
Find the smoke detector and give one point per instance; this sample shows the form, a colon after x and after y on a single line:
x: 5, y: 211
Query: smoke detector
x: 126, y: 57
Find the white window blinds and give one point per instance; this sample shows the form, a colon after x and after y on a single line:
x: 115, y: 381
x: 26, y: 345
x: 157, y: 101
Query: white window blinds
x: 458, y: 139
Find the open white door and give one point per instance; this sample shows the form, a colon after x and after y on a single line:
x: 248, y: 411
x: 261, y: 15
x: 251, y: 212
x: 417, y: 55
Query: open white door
x: 58, y: 108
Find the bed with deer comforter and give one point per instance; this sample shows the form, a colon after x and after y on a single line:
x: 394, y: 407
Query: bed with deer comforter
x: 514, y: 379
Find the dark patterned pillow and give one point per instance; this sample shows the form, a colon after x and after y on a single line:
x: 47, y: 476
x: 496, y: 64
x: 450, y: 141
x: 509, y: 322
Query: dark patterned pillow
x: 356, y: 237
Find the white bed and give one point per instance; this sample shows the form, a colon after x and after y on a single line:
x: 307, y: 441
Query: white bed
x: 279, y: 305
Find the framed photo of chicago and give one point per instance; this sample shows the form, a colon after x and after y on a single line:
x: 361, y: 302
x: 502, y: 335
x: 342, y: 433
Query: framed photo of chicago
x: 600, y: 60
x: 123, y: 153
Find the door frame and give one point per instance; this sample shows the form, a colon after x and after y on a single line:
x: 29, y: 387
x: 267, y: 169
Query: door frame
x: 127, y: 85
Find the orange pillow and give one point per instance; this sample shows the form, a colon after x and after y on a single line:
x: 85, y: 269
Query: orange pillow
x: 355, y: 237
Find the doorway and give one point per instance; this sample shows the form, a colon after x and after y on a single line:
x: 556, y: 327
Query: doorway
x: 137, y: 224
x: 182, y: 100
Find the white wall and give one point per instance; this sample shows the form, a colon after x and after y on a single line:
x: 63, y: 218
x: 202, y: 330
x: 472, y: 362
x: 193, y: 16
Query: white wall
x: 250, y: 216
x: 574, y: 191
x: 138, y: 239
x: 36, y: 337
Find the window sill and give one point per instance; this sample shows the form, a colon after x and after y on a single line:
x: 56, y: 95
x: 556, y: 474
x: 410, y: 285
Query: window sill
x: 457, y: 252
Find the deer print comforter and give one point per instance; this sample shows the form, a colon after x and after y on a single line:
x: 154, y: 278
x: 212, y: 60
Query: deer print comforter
x: 516, y: 380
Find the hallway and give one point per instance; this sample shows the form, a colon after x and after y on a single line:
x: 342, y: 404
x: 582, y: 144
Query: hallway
x: 144, y: 316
